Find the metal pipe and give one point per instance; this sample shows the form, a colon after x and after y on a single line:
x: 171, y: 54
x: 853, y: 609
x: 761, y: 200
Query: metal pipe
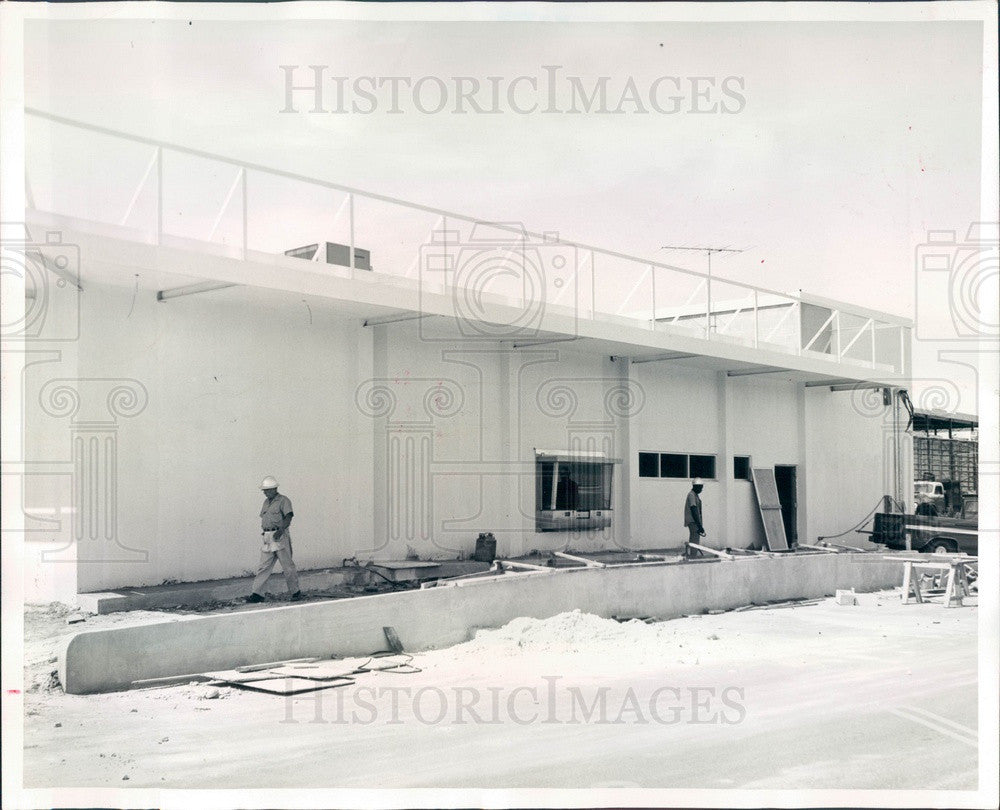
x: 193, y: 289
x: 660, y: 358
x: 760, y: 371
x: 393, y: 319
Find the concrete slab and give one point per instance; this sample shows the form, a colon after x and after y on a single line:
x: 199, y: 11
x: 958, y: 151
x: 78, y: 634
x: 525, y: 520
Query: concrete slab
x: 109, y: 660
x: 190, y: 594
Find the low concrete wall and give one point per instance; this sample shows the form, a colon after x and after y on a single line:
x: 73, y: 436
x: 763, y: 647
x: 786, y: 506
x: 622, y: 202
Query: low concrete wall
x: 108, y: 660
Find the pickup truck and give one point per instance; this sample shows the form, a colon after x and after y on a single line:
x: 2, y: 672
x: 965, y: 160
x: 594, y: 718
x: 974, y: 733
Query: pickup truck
x: 940, y: 535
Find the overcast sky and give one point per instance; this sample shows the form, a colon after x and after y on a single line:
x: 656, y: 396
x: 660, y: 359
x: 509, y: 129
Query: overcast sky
x: 834, y: 151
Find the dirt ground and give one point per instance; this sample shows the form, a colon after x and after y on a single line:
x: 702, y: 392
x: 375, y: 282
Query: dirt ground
x: 877, y: 695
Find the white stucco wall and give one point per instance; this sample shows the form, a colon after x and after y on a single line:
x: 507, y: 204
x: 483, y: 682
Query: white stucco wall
x: 849, y: 451
x: 388, y: 440
x: 680, y: 415
x: 217, y: 391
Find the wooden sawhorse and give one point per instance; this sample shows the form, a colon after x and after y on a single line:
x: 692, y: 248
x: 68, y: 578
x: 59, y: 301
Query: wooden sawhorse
x: 953, y: 565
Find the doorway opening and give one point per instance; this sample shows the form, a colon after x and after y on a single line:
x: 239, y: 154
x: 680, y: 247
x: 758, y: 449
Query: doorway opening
x: 784, y: 478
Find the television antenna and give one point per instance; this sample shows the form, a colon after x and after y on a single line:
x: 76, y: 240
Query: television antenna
x: 708, y: 251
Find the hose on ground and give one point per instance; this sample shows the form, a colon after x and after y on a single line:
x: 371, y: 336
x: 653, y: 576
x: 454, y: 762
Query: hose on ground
x: 864, y: 520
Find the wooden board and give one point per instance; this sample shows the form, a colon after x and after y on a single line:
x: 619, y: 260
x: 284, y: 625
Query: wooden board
x: 766, y: 490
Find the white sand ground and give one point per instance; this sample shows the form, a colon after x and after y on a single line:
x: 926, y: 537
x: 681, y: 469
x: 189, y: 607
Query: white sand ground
x: 879, y: 695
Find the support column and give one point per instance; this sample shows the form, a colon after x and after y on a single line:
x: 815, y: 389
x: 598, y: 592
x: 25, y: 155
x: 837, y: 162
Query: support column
x: 380, y: 511
x: 801, y: 491
x: 724, y: 534
x: 622, y: 501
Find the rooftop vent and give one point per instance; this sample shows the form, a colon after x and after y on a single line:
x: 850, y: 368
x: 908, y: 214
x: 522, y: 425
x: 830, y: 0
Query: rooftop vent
x: 335, y: 254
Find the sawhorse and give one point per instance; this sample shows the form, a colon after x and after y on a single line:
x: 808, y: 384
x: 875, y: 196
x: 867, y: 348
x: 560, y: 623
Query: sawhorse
x: 955, y: 567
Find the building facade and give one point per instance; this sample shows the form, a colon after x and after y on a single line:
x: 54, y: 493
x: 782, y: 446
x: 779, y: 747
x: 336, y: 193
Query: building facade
x: 555, y: 394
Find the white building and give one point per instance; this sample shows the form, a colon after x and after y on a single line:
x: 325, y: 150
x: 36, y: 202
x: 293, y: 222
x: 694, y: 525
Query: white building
x: 408, y: 407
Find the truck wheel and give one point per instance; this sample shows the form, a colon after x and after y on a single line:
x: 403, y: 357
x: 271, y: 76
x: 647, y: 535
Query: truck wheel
x: 941, y: 547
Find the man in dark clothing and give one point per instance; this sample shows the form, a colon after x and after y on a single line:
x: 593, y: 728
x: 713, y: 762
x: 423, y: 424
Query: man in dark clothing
x: 692, y: 515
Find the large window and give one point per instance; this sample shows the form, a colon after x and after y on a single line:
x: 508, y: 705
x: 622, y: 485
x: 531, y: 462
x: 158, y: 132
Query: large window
x: 577, y: 486
x: 676, y: 465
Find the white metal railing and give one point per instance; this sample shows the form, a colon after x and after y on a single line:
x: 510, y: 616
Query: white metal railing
x: 658, y: 296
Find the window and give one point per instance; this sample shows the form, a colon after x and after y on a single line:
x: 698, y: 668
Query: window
x: 673, y: 465
x: 676, y: 465
x: 649, y: 465
x: 702, y: 466
x: 741, y: 468
x: 573, y: 485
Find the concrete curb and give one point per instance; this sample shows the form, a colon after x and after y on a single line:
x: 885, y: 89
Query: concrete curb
x: 109, y: 660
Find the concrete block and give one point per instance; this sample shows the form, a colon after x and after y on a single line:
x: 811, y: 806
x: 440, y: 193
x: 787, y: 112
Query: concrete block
x: 846, y: 597
x: 111, y: 659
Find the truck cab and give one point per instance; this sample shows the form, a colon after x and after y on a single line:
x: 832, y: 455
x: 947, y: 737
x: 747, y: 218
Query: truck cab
x: 928, y: 497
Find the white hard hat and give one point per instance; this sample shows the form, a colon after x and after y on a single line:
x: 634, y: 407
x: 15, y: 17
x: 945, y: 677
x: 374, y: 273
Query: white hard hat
x: 269, y: 483
x: 694, y: 483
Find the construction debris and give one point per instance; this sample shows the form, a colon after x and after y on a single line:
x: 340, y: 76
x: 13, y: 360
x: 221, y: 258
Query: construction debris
x: 394, y: 643
x: 846, y: 597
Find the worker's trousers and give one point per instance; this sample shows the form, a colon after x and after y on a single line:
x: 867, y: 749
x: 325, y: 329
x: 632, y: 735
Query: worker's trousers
x: 266, y: 565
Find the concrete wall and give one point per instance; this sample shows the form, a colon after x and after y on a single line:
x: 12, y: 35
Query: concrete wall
x: 174, y: 413
x: 849, y: 440
x: 455, y: 449
x: 681, y: 414
x: 107, y: 660
x: 151, y: 431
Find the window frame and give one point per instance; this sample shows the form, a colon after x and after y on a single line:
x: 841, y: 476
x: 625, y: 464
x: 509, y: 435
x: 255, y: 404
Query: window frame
x: 687, y: 465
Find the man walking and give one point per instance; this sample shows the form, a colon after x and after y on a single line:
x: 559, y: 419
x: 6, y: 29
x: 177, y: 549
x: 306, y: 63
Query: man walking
x: 692, y: 515
x: 275, y: 518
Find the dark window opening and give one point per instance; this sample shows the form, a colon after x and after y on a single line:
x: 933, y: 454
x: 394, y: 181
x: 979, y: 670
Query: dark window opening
x: 673, y: 465
x: 649, y: 465
x: 702, y: 466
x: 741, y: 468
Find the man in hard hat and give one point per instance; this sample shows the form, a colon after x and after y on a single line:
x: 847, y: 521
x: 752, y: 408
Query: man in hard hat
x: 275, y: 518
x: 692, y: 515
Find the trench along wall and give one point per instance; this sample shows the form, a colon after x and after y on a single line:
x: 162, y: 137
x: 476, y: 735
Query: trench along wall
x: 109, y: 660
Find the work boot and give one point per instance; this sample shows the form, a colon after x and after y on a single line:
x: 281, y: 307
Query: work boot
x: 255, y: 597
x: 295, y: 597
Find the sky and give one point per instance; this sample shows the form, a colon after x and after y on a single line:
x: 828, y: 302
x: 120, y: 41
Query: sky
x: 834, y: 149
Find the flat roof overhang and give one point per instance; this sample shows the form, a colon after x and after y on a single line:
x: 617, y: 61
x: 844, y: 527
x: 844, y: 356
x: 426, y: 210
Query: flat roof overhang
x: 113, y: 255
x: 926, y: 422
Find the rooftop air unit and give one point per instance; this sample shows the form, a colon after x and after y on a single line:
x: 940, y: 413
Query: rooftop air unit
x: 335, y: 254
